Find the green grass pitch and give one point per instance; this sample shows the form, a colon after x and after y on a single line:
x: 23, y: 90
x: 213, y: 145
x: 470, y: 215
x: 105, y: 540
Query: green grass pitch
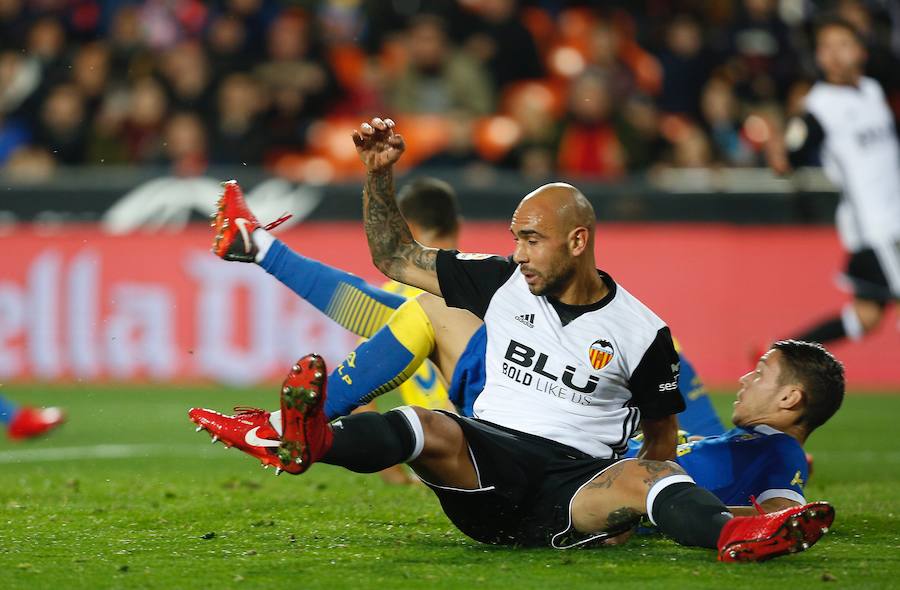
x: 127, y: 495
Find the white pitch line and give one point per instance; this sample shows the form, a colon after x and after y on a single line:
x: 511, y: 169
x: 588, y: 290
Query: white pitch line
x: 49, y: 454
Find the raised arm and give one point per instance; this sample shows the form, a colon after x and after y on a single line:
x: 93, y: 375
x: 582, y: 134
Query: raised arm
x: 393, y: 249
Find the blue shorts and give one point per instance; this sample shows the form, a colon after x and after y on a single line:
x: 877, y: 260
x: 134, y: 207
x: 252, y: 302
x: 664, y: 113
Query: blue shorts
x: 469, y: 376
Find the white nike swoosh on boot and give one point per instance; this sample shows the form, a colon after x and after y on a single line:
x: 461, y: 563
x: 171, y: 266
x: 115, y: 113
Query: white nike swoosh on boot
x: 242, y: 226
x: 251, y: 439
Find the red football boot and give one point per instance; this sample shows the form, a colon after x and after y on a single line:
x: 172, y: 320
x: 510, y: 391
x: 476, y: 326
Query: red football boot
x: 249, y: 430
x: 234, y: 224
x: 757, y: 538
x: 305, y: 433
x: 31, y: 422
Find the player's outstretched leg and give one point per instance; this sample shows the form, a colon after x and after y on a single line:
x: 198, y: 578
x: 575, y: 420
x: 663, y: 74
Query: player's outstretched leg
x: 614, y: 501
x: 364, y: 443
x: 431, y: 442
x: 259, y: 433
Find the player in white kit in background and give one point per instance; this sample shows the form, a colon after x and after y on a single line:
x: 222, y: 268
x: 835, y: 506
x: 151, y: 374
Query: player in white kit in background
x: 848, y: 124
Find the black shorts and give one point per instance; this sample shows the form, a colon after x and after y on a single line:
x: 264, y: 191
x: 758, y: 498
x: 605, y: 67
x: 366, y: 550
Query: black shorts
x: 867, y: 278
x: 526, y: 486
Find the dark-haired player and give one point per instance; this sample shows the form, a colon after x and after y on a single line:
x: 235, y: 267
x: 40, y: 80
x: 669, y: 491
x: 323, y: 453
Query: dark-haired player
x: 794, y: 388
x: 848, y: 127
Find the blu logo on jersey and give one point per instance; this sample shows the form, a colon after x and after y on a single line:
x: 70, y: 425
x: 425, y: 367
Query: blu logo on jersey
x: 523, y: 356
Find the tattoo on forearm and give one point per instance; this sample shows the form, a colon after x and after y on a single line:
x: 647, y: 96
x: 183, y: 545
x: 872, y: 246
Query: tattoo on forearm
x: 390, y: 241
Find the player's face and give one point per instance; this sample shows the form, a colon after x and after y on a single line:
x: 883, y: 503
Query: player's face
x: 840, y: 55
x: 760, y: 391
x: 541, y: 253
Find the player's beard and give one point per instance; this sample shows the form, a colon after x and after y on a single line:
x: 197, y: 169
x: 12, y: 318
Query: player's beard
x: 553, y: 282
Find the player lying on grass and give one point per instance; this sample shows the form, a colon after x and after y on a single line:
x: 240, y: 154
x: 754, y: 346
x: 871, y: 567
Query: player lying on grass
x: 24, y: 422
x: 539, y: 466
x: 795, y: 388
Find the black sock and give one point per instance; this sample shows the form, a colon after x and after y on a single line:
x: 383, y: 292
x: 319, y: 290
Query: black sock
x: 832, y: 329
x: 689, y: 514
x: 370, y: 442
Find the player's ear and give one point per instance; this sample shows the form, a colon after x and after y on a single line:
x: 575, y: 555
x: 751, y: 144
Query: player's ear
x: 792, y: 398
x: 578, y: 240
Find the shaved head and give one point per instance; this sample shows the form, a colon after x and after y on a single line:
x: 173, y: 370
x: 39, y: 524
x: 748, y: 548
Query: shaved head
x: 560, y: 204
x: 554, y: 231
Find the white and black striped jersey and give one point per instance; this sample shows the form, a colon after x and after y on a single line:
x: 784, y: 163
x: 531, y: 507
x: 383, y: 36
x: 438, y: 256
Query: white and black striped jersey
x: 583, y: 376
x: 852, y: 130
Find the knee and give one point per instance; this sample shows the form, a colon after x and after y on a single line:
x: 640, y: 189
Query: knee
x: 426, y: 418
x: 437, y: 431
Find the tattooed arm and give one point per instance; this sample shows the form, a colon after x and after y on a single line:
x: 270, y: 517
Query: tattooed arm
x: 394, y: 251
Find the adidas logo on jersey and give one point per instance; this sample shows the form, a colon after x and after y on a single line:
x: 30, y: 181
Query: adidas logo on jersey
x: 527, y: 319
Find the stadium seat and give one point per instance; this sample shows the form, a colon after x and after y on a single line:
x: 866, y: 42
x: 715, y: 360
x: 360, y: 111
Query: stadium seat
x: 495, y: 136
x: 425, y: 136
x: 348, y: 62
x: 544, y: 95
x: 304, y: 168
x: 393, y: 57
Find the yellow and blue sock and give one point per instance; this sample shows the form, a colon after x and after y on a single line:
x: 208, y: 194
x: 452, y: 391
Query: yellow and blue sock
x: 8, y: 410
x: 342, y: 296
x: 390, y: 357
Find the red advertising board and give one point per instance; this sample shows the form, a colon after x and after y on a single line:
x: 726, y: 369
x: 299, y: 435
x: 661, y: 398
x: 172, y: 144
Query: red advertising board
x: 77, y: 303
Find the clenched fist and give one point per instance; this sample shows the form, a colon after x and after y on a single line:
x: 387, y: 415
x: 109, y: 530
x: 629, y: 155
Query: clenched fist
x: 377, y: 144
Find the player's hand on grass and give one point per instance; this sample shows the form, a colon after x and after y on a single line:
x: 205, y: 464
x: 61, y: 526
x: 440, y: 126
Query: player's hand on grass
x: 377, y: 144
x: 619, y: 539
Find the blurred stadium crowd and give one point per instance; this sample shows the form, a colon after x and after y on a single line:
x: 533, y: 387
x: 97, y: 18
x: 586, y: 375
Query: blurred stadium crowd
x: 540, y: 87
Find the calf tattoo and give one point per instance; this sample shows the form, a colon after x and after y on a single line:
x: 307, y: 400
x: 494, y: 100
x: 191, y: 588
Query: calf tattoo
x: 622, y: 519
x: 390, y: 241
x: 606, y: 479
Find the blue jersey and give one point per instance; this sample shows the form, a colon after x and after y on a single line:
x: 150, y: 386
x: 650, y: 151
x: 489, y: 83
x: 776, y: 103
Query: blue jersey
x: 699, y: 416
x: 742, y: 462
